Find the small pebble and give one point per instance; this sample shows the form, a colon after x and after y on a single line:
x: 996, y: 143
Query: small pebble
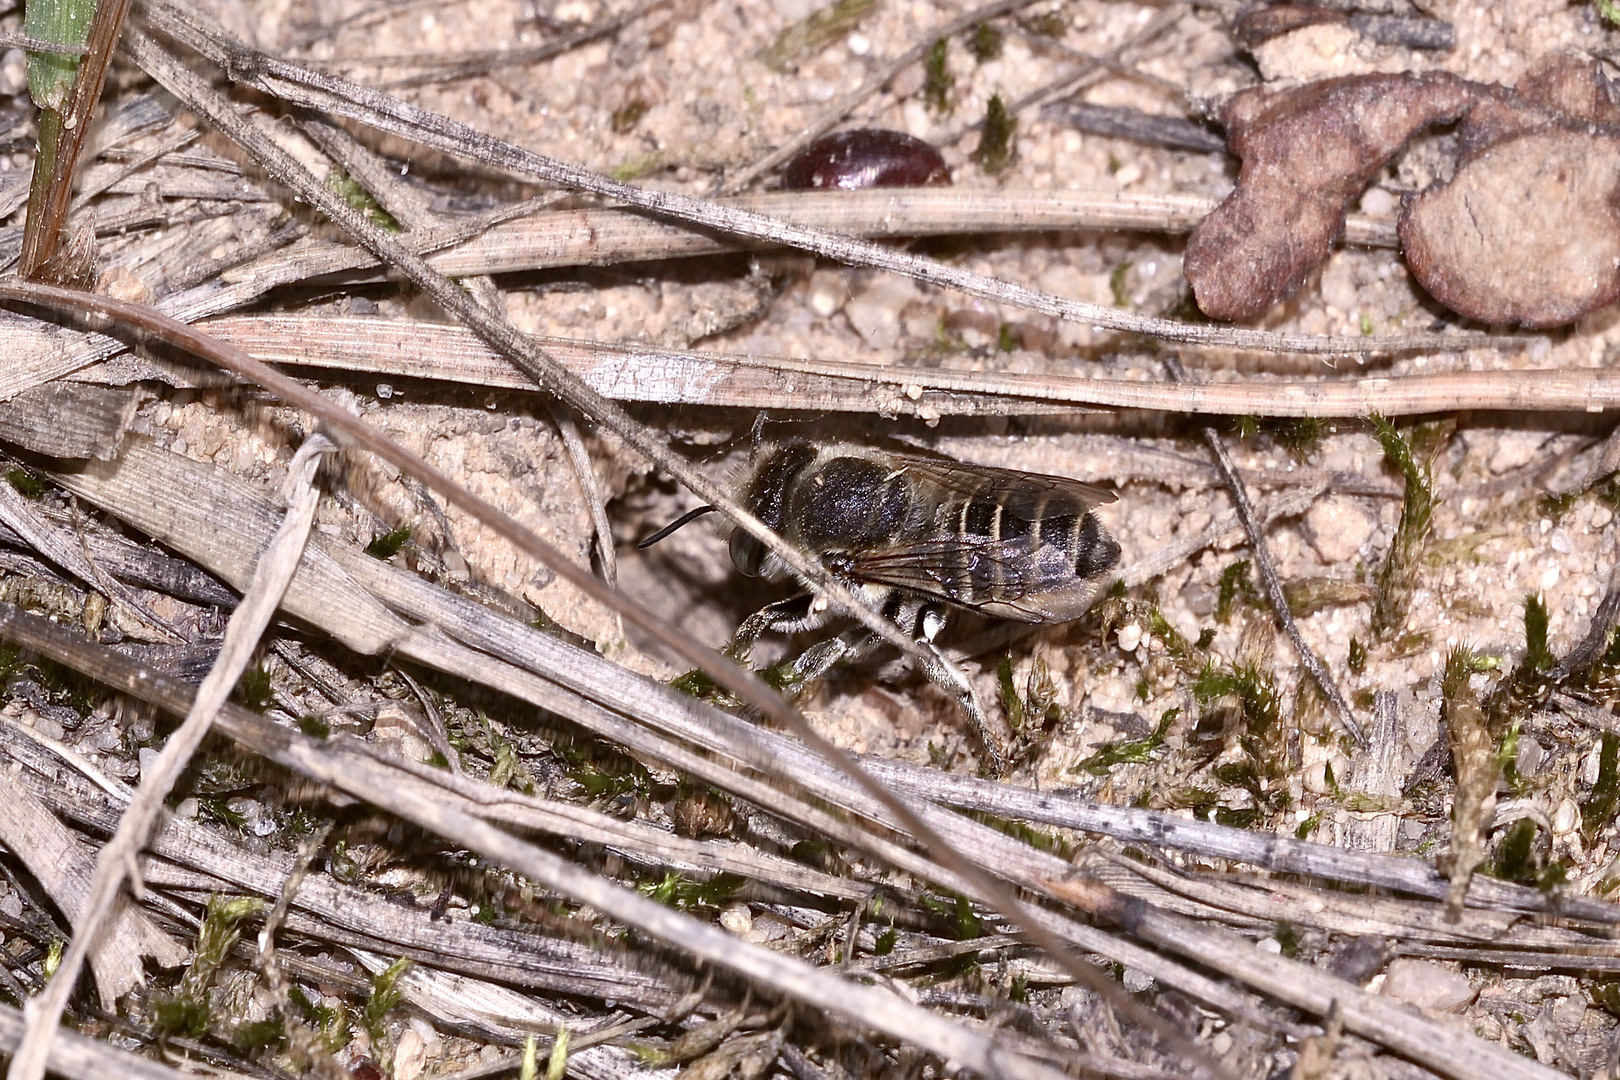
x: 410, y: 1055
x: 13, y: 73
x: 875, y: 313
x: 737, y: 917
x: 1515, y: 449
x: 1338, y: 527
x: 1137, y: 982
x: 865, y: 158
x: 1428, y: 986
x: 1566, y: 817
x: 1130, y: 636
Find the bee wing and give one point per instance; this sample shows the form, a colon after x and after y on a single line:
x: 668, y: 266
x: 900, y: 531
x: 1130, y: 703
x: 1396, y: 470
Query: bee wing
x: 1018, y: 579
x: 1026, y: 495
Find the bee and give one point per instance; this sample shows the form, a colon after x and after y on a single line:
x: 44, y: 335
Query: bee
x: 917, y: 538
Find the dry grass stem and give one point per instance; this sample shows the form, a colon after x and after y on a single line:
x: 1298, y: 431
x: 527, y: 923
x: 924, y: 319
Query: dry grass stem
x: 271, y: 575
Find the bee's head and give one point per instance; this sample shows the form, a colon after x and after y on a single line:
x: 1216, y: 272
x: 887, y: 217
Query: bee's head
x: 764, y: 493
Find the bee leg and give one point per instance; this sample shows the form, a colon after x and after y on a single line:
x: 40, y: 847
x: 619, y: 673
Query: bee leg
x: 820, y: 658
x: 951, y: 679
x: 788, y: 616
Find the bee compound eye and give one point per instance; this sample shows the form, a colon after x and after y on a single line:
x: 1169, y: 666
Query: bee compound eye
x: 747, y: 554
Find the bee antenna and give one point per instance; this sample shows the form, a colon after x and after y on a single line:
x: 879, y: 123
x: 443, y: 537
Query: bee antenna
x: 686, y: 518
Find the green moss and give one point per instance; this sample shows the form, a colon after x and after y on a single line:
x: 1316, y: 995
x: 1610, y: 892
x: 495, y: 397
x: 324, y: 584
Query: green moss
x: 1287, y: 936
x: 1037, y: 705
x: 345, y: 187
x: 1609, y: 9
x: 1513, y: 858
x: 1537, y: 657
x: 938, y: 82
x: 27, y: 484
x: 1308, y: 826
x: 1134, y: 751
x: 1254, y: 690
x: 985, y: 42
x: 254, y: 689
x: 187, y: 1012
x: 389, y: 543
x: 885, y: 941
x: 314, y: 726
x: 1234, y: 582
x: 383, y: 997
x: 331, y: 1025
x: 66, y: 686
x: 1005, y: 340
x: 998, y: 140
x: 811, y: 35
x: 1118, y: 284
x: 1597, y: 809
x: 678, y: 891
x: 1358, y: 656
x: 1301, y: 436
x: 1555, y: 505
x: 965, y: 922
x: 1395, y: 577
x: 1237, y: 817
x: 639, y: 166
x: 628, y: 115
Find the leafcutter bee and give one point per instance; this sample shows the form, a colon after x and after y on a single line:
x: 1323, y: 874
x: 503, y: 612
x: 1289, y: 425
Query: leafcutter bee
x: 916, y: 537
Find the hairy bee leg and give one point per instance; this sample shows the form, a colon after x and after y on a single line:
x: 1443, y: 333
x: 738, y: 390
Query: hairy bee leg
x: 951, y: 679
x: 788, y: 616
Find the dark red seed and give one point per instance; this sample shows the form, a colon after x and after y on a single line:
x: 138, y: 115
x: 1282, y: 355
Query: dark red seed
x: 865, y: 158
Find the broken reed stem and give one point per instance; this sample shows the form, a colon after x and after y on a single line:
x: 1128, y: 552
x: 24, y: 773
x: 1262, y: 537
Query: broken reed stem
x: 271, y: 575
x: 1268, y: 573
x: 65, y: 111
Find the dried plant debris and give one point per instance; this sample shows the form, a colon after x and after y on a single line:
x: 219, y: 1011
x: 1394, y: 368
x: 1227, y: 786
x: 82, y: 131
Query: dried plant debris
x: 1260, y: 24
x: 1525, y: 233
x: 1306, y: 153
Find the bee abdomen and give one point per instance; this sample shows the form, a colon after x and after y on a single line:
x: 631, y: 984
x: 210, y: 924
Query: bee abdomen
x: 1095, y: 552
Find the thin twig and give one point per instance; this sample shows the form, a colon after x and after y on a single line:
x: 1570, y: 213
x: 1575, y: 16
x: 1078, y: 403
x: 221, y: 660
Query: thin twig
x: 748, y: 689
x: 1091, y: 70
x: 1268, y: 572
x: 296, y: 85
x: 874, y: 83
x: 378, y: 783
x: 463, y: 66
x: 275, y: 569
